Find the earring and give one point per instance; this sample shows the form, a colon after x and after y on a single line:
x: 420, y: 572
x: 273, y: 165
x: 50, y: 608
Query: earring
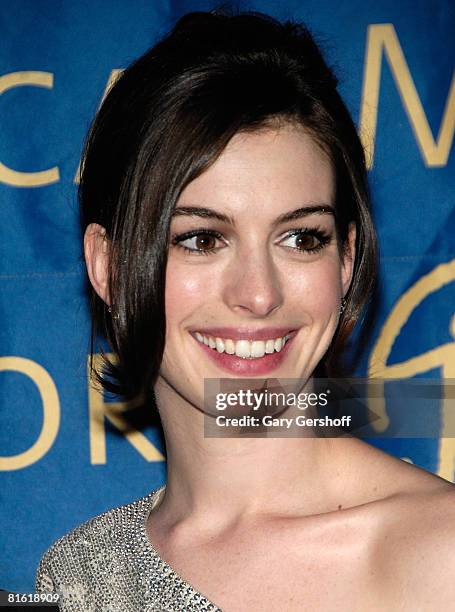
x: 115, y: 315
x: 343, y: 305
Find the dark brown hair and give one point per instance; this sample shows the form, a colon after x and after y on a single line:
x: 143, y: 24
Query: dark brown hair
x: 166, y: 120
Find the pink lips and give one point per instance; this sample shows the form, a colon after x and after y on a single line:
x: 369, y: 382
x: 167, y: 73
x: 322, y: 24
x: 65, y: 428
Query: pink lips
x: 249, y: 367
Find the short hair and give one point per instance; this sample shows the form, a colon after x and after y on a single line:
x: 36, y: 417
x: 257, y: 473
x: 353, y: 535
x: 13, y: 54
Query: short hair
x: 166, y: 119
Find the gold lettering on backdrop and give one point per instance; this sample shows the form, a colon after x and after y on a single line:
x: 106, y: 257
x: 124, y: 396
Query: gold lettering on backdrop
x: 51, y: 412
x: 442, y: 357
x: 111, y: 80
x: 382, y: 39
x: 16, y: 178
x: 99, y: 410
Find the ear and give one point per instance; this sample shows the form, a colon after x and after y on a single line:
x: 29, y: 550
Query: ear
x: 96, y: 249
x: 347, y: 267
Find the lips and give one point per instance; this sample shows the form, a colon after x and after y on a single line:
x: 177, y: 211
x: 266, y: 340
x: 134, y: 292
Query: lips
x: 243, y: 348
x: 252, y: 366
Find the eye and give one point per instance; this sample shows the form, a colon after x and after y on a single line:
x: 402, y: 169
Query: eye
x: 198, y: 242
x: 306, y: 240
x: 201, y: 242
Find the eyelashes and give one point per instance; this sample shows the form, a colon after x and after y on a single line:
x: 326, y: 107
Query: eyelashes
x: 322, y: 237
x: 204, y: 240
x: 211, y: 234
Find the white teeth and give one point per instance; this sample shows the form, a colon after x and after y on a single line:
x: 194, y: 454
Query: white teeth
x: 254, y: 349
x: 243, y: 348
x: 219, y: 345
x: 257, y: 348
x: 229, y: 346
x: 270, y: 346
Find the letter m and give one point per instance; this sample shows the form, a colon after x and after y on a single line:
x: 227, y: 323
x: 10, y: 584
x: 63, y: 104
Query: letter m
x: 382, y: 39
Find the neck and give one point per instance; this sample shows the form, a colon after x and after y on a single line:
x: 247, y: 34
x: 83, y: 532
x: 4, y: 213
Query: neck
x: 220, y: 480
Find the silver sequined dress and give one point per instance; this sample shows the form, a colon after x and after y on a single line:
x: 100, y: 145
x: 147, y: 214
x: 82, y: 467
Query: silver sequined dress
x: 109, y: 565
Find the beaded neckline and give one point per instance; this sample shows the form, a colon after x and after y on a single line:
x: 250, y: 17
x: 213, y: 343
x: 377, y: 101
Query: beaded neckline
x: 166, y: 572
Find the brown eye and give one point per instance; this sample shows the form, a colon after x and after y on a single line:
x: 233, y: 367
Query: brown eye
x: 199, y: 242
x: 308, y: 240
x: 205, y: 242
x: 305, y: 242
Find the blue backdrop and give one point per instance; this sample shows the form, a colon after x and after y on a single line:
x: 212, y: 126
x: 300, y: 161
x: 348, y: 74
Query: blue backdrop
x: 61, y: 460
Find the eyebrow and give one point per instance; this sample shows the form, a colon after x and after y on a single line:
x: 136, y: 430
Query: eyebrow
x: 298, y: 213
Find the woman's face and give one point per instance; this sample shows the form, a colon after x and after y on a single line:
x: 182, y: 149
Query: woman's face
x: 251, y: 269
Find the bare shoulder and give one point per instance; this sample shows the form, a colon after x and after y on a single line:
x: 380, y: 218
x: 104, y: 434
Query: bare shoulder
x: 414, y: 552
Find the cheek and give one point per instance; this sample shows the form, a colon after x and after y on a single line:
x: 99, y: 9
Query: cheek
x: 186, y: 292
x: 316, y: 286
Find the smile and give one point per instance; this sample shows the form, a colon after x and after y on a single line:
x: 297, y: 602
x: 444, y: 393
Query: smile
x: 246, y: 349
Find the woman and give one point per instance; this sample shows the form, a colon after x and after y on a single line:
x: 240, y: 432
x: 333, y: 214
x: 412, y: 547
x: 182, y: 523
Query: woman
x: 227, y: 234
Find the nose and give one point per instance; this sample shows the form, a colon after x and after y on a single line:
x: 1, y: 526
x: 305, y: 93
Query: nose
x: 252, y: 284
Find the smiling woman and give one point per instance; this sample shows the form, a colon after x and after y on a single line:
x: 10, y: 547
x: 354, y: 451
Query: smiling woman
x: 228, y: 234
x: 271, y: 275
x: 274, y: 267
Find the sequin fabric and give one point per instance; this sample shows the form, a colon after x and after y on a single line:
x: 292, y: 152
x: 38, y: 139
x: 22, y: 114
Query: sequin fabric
x: 108, y: 564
